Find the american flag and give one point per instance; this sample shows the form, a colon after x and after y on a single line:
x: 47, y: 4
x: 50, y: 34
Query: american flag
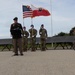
x: 27, y: 12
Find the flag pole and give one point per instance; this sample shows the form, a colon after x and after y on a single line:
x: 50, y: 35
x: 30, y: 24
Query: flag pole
x: 31, y: 21
x: 23, y: 22
x: 51, y: 20
x: 22, y: 14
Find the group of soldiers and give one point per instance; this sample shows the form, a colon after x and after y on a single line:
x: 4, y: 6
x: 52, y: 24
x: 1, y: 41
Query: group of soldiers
x: 33, y: 33
x: 20, y: 37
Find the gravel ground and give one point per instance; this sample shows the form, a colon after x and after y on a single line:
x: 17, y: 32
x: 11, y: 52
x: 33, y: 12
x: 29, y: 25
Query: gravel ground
x: 50, y: 62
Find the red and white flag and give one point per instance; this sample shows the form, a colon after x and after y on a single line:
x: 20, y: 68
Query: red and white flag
x: 39, y: 11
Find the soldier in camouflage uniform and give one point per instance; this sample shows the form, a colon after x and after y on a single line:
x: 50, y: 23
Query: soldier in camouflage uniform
x: 43, y: 37
x: 25, y: 39
x: 33, y: 33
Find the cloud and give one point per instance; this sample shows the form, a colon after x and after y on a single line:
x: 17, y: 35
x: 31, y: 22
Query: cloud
x: 61, y: 19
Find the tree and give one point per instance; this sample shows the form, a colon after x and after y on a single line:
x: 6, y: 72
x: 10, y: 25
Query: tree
x: 71, y: 31
x: 62, y: 34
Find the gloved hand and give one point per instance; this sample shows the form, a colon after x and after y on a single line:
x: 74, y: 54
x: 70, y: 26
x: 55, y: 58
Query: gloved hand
x: 32, y: 35
x: 40, y: 33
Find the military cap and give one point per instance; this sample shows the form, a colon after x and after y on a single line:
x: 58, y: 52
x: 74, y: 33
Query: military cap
x: 32, y: 25
x: 24, y: 27
x: 42, y: 25
x: 15, y: 18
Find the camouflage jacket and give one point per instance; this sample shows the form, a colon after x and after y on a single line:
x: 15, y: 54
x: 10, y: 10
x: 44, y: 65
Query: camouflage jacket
x: 25, y: 34
x: 33, y: 32
x: 43, y: 33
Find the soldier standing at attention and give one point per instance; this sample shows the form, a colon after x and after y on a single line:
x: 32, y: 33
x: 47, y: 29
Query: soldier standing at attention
x: 16, y: 32
x: 33, y: 33
x: 43, y: 37
x: 25, y: 39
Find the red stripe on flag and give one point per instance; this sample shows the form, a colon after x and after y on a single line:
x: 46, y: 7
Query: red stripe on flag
x: 27, y: 14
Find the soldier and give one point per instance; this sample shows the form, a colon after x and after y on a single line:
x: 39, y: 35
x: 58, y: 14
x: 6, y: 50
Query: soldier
x: 25, y: 39
x: 33, y: 33
x: 43, y: 37
x: 16, y: 32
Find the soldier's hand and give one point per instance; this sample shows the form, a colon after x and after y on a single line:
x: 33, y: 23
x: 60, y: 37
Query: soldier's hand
x: 32, y: 35
x: 40, y: 33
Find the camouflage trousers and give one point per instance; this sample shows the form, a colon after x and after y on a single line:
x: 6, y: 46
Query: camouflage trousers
x: 43, y: 44
x: 17, y: 43
x: 25, y: 44
x: 33, y: 43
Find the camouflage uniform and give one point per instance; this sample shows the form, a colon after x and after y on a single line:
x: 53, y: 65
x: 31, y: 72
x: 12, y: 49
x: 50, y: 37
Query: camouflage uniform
x: 33, y: 33
x: 25, y: 40
x: 43, y: 37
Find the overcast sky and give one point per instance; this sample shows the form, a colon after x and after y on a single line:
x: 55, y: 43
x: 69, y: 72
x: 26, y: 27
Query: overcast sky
x: 63, y: 15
